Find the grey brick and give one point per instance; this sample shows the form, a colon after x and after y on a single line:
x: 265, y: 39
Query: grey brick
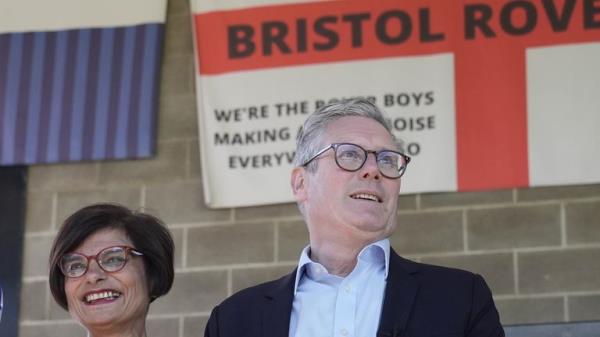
x: 583, y: 222
x: 177, y: 234
x: 428, y: 232
x: 178, y: 117
x: 430, y: 200
x: 37, y: 250
x: 496, y: 268
x: 178, y: 39
x: 178, y: 75
x: 33, y: 300
x: 244, y: 278
x: 168, y: 165
x: 192, y: 292
x: 38, y: 215
x: 178, y: 7
x: 230, y: 244
x: 514, y: 227
x: 531, y: 310
x: 559, y: 271
x: 162, y: 327
x: 70, y: 202
x: 407, y: 202
x: 62, y: 176
x: 558, y: 192
x: 194, y: 326
x: 268, y: 212
x: 56, y: 311
x: 584, y: 308
x: 70, y: 329
x: 195, y: 167
x: 293, y: 237
x: 182, y: 202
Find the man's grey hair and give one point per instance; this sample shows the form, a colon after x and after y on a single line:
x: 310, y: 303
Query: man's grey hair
x: 310, y: 136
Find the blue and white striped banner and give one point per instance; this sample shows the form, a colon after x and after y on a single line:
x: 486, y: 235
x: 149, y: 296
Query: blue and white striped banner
x: 79, y: 80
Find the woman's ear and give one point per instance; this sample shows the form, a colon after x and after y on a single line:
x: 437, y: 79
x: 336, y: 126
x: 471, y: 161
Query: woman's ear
x: 298, y: 182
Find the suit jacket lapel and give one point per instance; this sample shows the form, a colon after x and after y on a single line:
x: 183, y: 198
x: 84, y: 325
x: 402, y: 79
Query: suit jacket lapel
x: 400, y: 292
x: 277, y: 308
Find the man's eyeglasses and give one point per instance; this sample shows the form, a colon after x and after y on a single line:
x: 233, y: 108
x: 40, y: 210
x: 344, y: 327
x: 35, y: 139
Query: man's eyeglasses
x: 111, y: 259
x: 352, y: 157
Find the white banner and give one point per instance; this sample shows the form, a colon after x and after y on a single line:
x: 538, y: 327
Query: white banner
x: 476, y: 103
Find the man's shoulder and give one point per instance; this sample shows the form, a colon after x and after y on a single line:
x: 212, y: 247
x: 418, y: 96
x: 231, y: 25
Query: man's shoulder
x: 245, y: 312
x: 437, y: 270
x: 435, y: 273
x: 439, y: 282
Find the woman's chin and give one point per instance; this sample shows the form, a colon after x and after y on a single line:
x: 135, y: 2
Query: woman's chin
x: 98, y: 314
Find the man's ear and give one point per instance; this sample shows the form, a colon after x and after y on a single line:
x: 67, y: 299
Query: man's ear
x: 299, y: 181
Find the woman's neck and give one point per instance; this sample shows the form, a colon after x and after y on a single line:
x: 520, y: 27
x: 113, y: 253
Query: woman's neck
x: 133, y: 330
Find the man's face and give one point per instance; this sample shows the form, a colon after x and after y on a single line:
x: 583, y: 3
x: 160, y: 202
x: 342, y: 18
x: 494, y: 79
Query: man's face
x: 337, y: 203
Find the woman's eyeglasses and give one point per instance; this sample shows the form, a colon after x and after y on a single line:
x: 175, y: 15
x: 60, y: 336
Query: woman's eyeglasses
x: 352, y: 157
x: 111, y: 259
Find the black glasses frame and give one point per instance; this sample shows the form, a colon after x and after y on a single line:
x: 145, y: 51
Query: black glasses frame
x: 335, y: 146
x: 128, y: 251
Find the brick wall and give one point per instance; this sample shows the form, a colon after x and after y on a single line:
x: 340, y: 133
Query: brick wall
x: 539, y: 249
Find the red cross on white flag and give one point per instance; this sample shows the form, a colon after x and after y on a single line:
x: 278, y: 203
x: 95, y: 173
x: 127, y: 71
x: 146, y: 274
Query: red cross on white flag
x: 485, y: 94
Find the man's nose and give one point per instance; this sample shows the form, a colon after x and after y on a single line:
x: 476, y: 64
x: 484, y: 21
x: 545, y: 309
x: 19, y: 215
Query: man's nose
x: 370, y: 170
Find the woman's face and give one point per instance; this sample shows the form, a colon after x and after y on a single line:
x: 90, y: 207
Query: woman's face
x: 102, y: 299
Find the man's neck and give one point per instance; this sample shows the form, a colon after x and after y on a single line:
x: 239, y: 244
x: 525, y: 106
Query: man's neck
x: 338, y: 259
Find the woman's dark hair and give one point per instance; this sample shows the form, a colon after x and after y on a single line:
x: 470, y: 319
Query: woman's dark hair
x: 148, y: 234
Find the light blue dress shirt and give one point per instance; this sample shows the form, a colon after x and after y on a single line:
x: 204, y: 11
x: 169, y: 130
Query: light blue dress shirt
x: 327, y: 305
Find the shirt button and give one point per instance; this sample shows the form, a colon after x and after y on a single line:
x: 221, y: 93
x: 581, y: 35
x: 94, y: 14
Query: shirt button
x: 348, y: 289
x: 344, y: 332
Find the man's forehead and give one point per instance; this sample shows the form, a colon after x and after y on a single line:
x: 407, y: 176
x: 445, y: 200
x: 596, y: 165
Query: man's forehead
x: 355, y: 128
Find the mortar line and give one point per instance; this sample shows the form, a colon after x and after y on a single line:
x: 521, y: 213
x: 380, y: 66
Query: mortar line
x: 143, y: 196
x: 188, y: 159
x: 54, y: 211
x: 516, y: 272
x: 547, y: 295
x: 276, y: 242
x: 184, y: 248
x: 229, y: 282
x: 465, y: 235
x: 566, y: 308
x: 47, y: 303
x: 563, y: 225
x: 235, y: 266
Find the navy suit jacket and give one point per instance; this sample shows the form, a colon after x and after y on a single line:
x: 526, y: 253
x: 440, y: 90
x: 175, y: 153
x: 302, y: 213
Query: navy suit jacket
x: 420, y: 301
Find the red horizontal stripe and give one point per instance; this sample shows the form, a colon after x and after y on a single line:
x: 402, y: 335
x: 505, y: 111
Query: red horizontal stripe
x: 425, y: 18
x: 212, y: 33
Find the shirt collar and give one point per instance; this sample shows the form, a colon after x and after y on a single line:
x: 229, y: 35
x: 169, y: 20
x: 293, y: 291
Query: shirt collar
x: 370, y: 253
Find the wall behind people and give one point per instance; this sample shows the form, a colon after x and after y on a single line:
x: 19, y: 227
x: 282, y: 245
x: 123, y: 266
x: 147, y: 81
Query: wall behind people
x: 537, y: 248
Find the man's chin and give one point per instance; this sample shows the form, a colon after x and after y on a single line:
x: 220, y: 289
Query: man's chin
x: 374, y: 227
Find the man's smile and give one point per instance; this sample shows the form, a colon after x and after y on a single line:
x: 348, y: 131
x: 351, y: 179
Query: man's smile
x: 366, y: 196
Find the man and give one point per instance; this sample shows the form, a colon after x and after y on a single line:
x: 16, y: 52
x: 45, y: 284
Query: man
x: 349, y: 282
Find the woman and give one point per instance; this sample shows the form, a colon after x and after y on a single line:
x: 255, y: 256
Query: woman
x: 107, y: 264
